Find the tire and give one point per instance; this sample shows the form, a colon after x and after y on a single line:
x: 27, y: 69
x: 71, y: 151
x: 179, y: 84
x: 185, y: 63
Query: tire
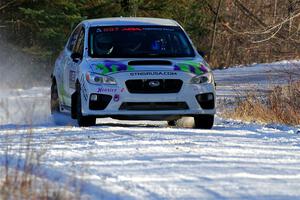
x: 83, y: 121
x: 54, y: 102
x: 204, y: 121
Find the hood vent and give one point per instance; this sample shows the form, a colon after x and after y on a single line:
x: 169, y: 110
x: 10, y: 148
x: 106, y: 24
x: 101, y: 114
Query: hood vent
x: 149, y: 62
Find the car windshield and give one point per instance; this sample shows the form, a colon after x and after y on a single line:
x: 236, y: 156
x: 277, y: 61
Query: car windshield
x: 138, y: 41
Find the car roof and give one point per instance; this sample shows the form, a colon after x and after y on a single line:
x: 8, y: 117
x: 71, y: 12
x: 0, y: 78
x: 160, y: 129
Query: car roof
x: 130, y: 21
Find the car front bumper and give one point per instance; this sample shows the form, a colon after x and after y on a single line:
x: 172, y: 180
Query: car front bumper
x: 120, y: 95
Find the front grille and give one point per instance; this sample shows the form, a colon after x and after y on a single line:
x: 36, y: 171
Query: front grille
x: 146, y: 86
x: 154, y: 106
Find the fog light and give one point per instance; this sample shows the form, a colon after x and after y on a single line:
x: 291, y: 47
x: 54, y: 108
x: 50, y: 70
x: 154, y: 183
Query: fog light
x: 99, y: 101
x: 94, y: 97
x: 206, y: 101
x: 210, y: 97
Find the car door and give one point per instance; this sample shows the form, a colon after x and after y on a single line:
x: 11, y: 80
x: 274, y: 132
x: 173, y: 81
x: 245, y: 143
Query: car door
x: 79, y: 50
x: 70, y: 65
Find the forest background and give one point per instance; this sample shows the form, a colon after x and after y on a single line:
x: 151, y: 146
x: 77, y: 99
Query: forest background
x: 231, y: 32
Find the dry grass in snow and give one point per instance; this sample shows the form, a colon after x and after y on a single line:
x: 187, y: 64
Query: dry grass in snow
x: 280, y: 105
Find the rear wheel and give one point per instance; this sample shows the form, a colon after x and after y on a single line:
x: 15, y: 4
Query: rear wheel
x: 83, y: 120
x: 54, y: 102
x: 204, y: 121
x: 55, y: 105
x: 74, y: 105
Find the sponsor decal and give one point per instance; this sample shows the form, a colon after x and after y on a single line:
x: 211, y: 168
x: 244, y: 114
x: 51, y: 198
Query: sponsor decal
x: 112, y: 67
x: 110, y: 90
x: 131, y: 29
x: 159, y: 29
x: 117, y: 97
x: 110, y: 29
x: 162, y: 73
x: 191, y: 67
x: 108, y: 67
x: 106, y: 90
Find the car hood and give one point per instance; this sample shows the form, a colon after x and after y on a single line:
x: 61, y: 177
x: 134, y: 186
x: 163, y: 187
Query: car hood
x: 107, y: 67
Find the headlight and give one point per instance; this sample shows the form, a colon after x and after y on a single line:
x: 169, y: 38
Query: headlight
x: 99, y: 79
x: 204, y: 78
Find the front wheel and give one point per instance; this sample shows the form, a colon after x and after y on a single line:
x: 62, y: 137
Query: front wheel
x: 83, y: 120
x: 204, y: 121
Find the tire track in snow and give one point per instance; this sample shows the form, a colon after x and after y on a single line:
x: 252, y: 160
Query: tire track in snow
x: 158, y: 162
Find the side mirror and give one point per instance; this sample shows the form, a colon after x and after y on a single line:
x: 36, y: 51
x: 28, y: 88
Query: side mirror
x: 202, y: 53
x: 76, y: 57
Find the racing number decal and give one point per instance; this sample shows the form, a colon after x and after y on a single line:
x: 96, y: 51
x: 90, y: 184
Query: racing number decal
x: 72, y: 77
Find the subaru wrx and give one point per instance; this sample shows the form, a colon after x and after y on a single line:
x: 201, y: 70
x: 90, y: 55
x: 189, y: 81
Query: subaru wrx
x: 133, y: 69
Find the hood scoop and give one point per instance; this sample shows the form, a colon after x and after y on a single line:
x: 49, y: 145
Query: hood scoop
x: 149, y: 62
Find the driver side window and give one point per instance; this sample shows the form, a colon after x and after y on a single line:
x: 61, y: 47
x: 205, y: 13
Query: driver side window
x: 79, y: 46
x: 73, y: 38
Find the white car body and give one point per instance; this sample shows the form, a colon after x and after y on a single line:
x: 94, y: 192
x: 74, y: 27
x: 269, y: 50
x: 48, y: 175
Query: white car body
x: 126, y: 103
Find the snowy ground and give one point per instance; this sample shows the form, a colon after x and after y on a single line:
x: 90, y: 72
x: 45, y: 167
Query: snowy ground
x: 148, y: 160
x: 259, y: 77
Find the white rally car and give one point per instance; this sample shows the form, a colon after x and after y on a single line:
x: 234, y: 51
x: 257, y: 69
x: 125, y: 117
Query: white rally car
x: 132, y: 68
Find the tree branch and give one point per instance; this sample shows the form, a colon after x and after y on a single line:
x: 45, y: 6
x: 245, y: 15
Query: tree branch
x: 272, y: 36
x: 254, y: 18
x: 250, y: 14
x: 2, y: 7
x: 215, y: 28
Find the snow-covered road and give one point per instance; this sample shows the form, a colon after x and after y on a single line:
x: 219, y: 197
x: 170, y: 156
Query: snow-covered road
x: 149, y: 160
